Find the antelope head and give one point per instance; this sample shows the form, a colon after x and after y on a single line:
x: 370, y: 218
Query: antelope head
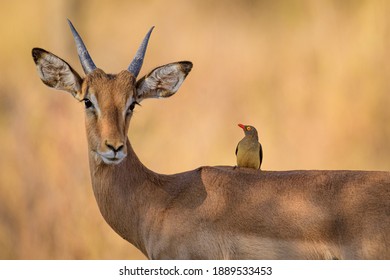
x: 109, y: 99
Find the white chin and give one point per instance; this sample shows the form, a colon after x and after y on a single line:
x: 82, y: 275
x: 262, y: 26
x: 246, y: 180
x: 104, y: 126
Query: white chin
x: 111, y: 160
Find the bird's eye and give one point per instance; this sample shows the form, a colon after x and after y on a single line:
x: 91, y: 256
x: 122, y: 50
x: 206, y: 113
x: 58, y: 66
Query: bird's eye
x: 88, y: 104
x: 248, y: 128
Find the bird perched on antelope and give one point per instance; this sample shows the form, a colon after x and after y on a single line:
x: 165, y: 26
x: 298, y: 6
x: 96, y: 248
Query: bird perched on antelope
x: 249, y: 151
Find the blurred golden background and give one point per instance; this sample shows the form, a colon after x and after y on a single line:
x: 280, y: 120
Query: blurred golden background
x: 311, y: 76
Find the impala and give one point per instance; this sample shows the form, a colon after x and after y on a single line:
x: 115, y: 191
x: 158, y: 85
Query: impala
x: 219, y: 212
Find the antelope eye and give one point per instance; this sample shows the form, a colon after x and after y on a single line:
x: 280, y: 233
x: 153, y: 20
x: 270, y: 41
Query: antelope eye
x: 88, y: 104
x: 132, y: 105
x: 131, y: 108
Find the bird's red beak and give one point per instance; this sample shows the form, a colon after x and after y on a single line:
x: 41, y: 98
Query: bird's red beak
x: 242, y: 126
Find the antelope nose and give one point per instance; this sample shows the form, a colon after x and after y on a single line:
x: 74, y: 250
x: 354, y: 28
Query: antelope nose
x: 115, y: 147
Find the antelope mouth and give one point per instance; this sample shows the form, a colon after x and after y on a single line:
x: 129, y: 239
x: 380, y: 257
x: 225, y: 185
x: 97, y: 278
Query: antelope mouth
x: 114, y: 160
x: 111, y: 159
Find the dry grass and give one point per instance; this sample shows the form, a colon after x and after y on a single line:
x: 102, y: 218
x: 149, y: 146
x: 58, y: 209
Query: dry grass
x: 312, y: 76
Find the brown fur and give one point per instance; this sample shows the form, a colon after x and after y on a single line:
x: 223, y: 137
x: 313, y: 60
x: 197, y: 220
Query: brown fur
x: 224, y: 212
x: 227, y: 213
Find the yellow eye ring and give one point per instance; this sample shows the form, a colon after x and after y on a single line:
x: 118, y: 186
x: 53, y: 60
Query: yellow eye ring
x: 248, y: 128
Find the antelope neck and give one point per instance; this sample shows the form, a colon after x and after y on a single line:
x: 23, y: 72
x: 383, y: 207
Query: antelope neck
x: 125, y: 190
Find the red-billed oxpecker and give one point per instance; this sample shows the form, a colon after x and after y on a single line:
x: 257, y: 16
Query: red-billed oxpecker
x: 249, y: 151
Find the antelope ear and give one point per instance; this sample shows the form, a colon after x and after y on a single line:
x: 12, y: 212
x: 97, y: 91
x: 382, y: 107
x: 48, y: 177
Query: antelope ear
x: 56, y: 73
x: 163, y: 81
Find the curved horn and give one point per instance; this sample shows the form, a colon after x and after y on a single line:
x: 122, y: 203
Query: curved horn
x: 136, y: 64
x: 85, y: 58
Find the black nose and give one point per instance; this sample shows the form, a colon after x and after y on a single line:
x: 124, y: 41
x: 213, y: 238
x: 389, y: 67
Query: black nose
x: 115, y: 148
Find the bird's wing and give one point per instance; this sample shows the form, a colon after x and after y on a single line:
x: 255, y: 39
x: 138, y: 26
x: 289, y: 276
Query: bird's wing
x: 261, y: 154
